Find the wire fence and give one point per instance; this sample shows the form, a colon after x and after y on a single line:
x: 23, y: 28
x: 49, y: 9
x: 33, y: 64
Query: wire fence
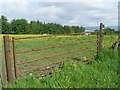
x: 37, y: 54
x: 40, y: 55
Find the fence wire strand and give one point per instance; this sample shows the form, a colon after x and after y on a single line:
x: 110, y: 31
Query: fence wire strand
x: 68, y: 51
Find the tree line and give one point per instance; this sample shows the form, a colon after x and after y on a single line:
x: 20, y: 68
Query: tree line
x: 22, y: 26
x: 107, y: 31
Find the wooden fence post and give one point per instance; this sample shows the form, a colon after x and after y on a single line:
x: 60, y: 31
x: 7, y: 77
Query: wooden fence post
x: 14, y: 56
x: 101, y: 41
x: 8, y: 59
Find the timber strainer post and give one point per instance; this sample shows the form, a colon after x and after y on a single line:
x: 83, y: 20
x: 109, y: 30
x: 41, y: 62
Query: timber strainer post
x: 8, y: 58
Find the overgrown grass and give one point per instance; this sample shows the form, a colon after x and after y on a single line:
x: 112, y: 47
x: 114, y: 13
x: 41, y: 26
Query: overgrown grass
x: 102, y: 73
x: 35, y: 43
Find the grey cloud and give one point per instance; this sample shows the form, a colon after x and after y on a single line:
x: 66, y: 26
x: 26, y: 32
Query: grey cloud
x: 68, y: 13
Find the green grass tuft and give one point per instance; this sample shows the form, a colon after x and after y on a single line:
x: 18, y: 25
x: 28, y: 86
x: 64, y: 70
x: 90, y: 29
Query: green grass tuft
x: 101, y: 73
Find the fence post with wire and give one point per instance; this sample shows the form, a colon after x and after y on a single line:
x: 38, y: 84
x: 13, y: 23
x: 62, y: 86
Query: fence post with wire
x: 30, y: 57
x: 8, y: 58
x: 101, y: 37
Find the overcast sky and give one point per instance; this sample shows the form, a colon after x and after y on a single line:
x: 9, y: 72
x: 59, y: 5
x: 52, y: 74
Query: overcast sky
x: 74, y: 12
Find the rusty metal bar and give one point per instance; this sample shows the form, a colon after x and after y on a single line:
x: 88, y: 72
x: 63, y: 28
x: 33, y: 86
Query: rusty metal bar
x: 49, y: 70
x: 44, y: 72
x: 56, y: 46
x: 51, y: 64
x: 14, y: 57
x: 61, y: 54
x: 83, y: 55
x: 31, y: 37
x: 8, y: 58
x: 69, y: 58
x: 38, y: 68
x: 92, y: 51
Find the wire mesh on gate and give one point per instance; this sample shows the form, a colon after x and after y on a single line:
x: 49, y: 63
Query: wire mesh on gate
x: 38, y: 55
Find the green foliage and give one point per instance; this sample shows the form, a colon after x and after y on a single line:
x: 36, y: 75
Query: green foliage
x: 95, y: 32
x: 101, y: 73
x: 6, y: 26
x: 109, y: 31
x: 21, y: 26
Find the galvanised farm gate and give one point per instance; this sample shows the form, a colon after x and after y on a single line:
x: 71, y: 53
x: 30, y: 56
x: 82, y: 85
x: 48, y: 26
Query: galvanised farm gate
x: 39, y: 55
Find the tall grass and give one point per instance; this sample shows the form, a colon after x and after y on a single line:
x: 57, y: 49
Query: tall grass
x: 101, y: 73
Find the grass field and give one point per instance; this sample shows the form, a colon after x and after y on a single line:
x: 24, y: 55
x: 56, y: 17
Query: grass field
x: 101, y: 73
